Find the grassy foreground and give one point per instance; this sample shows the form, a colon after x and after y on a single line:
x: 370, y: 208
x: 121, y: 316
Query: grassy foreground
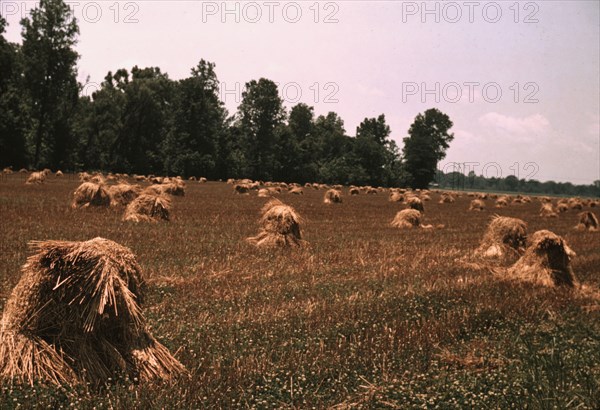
x: 367, y: 316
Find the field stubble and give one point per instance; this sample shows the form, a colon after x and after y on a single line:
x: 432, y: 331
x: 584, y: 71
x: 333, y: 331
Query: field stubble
x: 366, y: 316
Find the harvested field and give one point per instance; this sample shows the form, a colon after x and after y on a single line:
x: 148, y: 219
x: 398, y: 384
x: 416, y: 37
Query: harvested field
x: 367, y: 316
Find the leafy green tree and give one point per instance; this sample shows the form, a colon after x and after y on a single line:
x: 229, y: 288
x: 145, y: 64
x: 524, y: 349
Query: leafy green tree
x: 98, y: 123
x: 13, y: 114
x: 199, y: 119
x: 299, y: 148
x: 425, y: 146
x: 260, y: 116
x: 331, y: 136
x: 511, y: 183
x: 49, y: 80
x: 375, y: 151
x: 145, y: 123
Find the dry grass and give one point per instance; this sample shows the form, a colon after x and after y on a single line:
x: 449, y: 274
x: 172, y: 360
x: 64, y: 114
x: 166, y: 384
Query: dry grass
x: 366, y: 314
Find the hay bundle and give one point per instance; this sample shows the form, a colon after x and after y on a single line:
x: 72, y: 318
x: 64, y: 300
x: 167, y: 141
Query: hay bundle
x: 264, y: 193
x: 547, y: 261
x: 139, y: 178
x: 280, y: 226
x: 59, y: 173
x: 173, y: 186
x: 562, y: 207
x: 425, y: 197
x: 23, y: 170
x: 415, y: 203
x: 84, y: 176
x: 575, y: 203
x: 547, y: 211
x: 36, y: 178
x: 332, y: 196
x: 354, y: 191
x: 155, y: 189
x: 587, y: 221
x: 296, y: 191
x: 123, y: 194
x: 274, y: 190
x: 371, y: 191
x: 546, y: 199
x: 98, y: 179
x: 503, y: 240
x: 90, y: 194
x: 481, y: 195
x: 192, y: 178
x: 477, y: 205
x: 241, y: 189
x: 502, y: 202
x: 148, y: 208
x: 409, y: 218
x: 594, y: 204
x: 396, y: 196
x: 7, y: 170
x: 446, y: 198
x: 202, y: 180
x: 176, y: 187
x: 75, y: 317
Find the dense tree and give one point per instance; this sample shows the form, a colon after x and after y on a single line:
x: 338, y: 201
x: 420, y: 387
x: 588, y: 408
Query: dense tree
x: 13, y: 111
x: 198, y: 124
x: 260, y: 117
x: 425, y: 146
x: 299, y: 148
x: 376, y: 153
x: 49, y: 81
x: 98, y: 123
x: 145, y: 122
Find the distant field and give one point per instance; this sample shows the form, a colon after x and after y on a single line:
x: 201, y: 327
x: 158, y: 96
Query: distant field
x: 367, y: 316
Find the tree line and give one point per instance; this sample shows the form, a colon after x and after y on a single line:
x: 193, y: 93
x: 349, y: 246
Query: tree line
x: 511, y: 183
x: 141, y: 121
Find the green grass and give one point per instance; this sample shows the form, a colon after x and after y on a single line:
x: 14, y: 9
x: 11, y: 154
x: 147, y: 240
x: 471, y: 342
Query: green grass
x: 365, y: 317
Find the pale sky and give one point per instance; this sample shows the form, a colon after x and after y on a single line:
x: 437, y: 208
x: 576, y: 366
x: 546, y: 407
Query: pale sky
x: 528, y: 72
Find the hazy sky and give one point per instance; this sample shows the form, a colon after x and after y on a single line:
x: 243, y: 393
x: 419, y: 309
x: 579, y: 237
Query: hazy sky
x: 520, y: 80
